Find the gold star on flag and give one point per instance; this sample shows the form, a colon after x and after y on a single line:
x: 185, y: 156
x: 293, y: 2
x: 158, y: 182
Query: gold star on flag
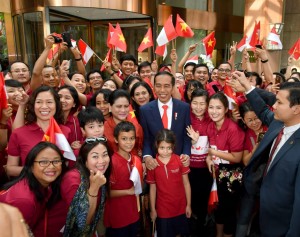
x: 183, y: 26
x: 132, y: 114
x: 47, y: 138
x: 210, y: 43
x: 146, y: 40
x: 121, y: 38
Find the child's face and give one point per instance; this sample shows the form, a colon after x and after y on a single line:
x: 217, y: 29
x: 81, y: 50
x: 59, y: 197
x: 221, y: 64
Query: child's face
x: 126, y: 141
x: 165, y: 149
x: 93, y: 129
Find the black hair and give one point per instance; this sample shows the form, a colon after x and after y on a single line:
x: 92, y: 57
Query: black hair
x: 258, y: 79
x: 293, y: 78
x: 221, y: 97
x: 106, y: 93
x: 282, y: 77
x: 165, y: 135
x: 9, y: 67
x: 128, y: 57
x: 90, y: 114
x: 243, y: 109
x: 296, y: 73
x: 124, y: 126
x: 196, y: 84
x: 135, y: 106
x: 34, y: 185
x: 118, y: 94
x: 74, y: 95
x: 165, y: 73
x: 84, y: 151
x: 200, y: 65
x: 225, y: 64
x: 112, y: 81
x: 30, y: 116
x: 189, y: 64
x: 294, y: 92
x: 70, y: 75
x: 200, y: 93
x: 92, y: 72
x: 142, y: 65
x: 13, y: 83
x: 128, y: 80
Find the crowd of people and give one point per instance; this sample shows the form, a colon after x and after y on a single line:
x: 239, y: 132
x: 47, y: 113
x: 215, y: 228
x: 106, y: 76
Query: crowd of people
x: 175, y: 124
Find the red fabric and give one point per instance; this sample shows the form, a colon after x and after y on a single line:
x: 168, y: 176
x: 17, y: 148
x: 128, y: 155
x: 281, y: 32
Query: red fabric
x: 295, y: 50
x: 161, y: 50
x: 118, y: 40
x: 229, y: 138
x: 210, y: 89
x: 108, y: 58
x: 164, y: 117
x: 109, y: 126
x: 110, y: 32
x: 170, y: 193
x: 147, y: 41
x: 20, y: 196
x: 73, y: 124
x: 209, y: 43
x: 242, y: 44
x: 120, y: 211
x: 131, y: 116
x: 182, y: 28
x: 23, y: 139
x: 255, y: 35
x: 3, y: 96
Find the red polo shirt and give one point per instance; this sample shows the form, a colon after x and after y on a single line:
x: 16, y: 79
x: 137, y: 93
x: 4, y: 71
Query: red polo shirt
x: 20, y: 196
x: 229, y: 138
x: 23, y: 139
x: 120, y: 211
x: 170, y: 193
x: 211, y: 90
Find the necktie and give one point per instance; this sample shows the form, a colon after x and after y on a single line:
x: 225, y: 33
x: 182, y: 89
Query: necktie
x: 164, y: 118
x: 277, y: 141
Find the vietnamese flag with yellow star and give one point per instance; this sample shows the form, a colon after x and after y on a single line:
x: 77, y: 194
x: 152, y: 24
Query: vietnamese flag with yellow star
x: 147, y: 41
x: 118, y: 40
x: 209, y: 43
x: 182, y: 28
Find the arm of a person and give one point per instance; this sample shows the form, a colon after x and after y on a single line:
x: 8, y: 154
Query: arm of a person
x: 246, y: 62
x: 62, y: 47
x: 6, y: 114
x: 187, y: 189
x: 288, y: 72
x: 115, y: 77
x: 121, y: 192
x: 13, y: 168
x: 192, y: 48
x: 152, y: 193
x: 234, y: 157
x: 36, y: 79
x: 266, y: 67
x: 78, y: 59
x: 232, y: 54
x: 247, y: 155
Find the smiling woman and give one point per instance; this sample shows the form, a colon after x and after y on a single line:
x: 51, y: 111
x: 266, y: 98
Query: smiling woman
x: 37, y: 187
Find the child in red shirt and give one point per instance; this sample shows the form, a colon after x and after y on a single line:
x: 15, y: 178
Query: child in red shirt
x: 121, y: 215
x: 170, y: 191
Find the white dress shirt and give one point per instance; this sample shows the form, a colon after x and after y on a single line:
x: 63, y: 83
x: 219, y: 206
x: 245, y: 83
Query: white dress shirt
x: 169, y: 111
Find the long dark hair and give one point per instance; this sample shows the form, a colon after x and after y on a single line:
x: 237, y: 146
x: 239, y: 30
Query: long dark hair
x: 82, y: 158
x: 34, y: 185
x: 74, y: 95
x: 30, y: 116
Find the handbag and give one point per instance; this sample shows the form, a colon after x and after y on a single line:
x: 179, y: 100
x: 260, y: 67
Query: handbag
x: 230, y: 177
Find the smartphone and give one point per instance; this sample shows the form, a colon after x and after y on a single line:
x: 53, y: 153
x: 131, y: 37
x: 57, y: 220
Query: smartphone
x: 216, y: 89
x: 260, y: 136
x: 67, y: 38
x: 258, y: 46
x: 252, y: 58
x: 277, y: 79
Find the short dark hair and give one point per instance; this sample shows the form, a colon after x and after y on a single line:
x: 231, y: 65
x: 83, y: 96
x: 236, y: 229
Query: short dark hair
x: 90, y: 114
x: 9, y: 67
x: 165, y: 135
x: 106, y: 93
x: 200, y: 65
x: 225, y: 63
x: 243, y: 109
x: 34, y: 185
x: 118, y: 94
x: 200, y: 93
x: 92, y: 72
x: 30, y: 117
x: 128, y: 80
x: 128, y: 57
x: 165, y: 73
x: 221, y: 97
x: 142, y: 65
x: 294, y: 92
x: 74, y: 95
x: 123, y: 126
x: 282, y: 77
x: 13, y: 83
x: 196, y: 84
x: 189, y: 64
x: 108, y: 79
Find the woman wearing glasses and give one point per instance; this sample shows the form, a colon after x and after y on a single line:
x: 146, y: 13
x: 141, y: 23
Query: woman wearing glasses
x: 37, y: 187
x: 83, y: 191
x: 43, y: 104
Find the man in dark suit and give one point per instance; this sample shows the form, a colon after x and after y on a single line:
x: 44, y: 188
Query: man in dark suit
x: 273, y: 173
x: 177, y: 115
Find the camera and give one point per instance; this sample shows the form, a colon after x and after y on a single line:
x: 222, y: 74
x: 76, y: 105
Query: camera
x: 57, y: 40
x: 67, y: 38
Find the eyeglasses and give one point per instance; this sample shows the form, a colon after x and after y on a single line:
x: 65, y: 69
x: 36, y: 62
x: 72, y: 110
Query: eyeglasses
x: 46, y: 163
x: 224, y: 70
x: 20, y: 70
x: 91, y: 140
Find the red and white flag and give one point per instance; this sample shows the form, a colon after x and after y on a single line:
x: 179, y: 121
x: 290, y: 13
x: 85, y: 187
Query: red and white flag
x: 162, y: 50
x: 274, y: 38
x: 85, y: 51
x: 167, y: 33
x: 231, y: 96
x: 74, y: 43
x: 136, y: 175
x: 55, y: 136
x: 110, y: 33
x: 213, y: 197
x: 193, y: 59
x: 244, y: 43
x: 255, y: 37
